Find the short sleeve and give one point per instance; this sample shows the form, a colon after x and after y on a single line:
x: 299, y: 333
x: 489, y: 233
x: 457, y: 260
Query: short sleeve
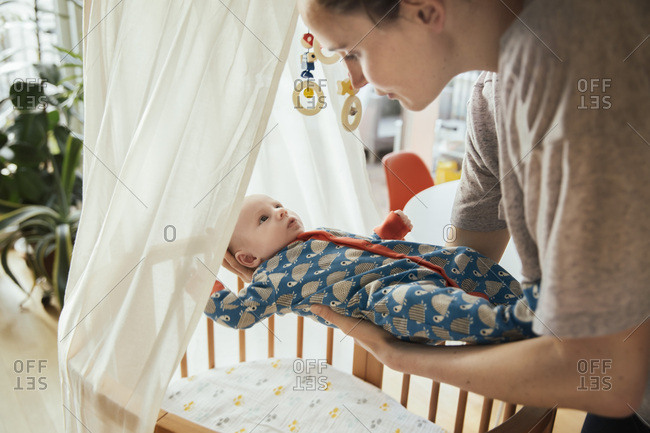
x: 477, y: 205
x: 575, y: 138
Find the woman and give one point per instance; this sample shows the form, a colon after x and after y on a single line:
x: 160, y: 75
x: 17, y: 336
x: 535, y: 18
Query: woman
x: 569, y: 174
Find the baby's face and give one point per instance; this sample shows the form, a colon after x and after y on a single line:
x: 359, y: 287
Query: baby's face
x: 264, y: 227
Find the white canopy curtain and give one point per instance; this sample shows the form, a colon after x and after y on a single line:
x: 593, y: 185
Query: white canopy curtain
x: 178, y: 98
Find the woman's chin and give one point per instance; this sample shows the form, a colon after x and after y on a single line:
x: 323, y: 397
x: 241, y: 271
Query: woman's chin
x: 413, y: 105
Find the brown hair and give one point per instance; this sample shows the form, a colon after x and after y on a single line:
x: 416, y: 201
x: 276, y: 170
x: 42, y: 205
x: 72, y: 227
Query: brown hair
x: 385, y: 11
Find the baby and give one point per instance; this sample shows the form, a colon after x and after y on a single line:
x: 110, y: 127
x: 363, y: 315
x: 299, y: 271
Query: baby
x: 417, y: 292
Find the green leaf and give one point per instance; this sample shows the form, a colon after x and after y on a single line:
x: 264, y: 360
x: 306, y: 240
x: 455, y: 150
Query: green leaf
x: 70, y: 163
x: 24, y: 213
x: 49, y: 72
x: 3, y: 139
x: 7, y: 245
x: 52, y: 119
x: 29, y: 183
x: 9, y: 196
x: 71, y: 65
x: 26, y: 155
x: 7, y: 205
x: 38, y: 226
x: 44, y: 247
x: 30, y: 128
x: 69, y: 53
x: 62, y: 254
x: 61, y: 134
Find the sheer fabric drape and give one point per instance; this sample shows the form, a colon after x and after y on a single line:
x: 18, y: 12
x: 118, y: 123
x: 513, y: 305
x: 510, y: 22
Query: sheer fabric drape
x: 178, y: 100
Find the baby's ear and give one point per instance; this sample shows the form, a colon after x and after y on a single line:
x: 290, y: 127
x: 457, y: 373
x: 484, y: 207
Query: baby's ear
x: 247, y: 259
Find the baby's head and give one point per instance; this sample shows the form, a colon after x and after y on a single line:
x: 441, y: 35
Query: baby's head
x: 263, y: 228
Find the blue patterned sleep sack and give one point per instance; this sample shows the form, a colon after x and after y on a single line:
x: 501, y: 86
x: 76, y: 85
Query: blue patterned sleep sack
x: 411, y: 301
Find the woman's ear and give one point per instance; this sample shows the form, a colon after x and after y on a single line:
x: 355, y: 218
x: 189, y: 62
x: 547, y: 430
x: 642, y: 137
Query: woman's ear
x: 247, y: 259
x: 428, y: 12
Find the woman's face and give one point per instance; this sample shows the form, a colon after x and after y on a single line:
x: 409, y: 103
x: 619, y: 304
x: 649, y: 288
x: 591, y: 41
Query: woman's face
x: 408, y: 58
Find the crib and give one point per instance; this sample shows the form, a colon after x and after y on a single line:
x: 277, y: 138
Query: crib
x: 369, y: 370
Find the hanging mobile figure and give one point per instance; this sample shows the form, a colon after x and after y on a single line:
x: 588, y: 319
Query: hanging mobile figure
x: 351, y: 112
x: 308, y: 87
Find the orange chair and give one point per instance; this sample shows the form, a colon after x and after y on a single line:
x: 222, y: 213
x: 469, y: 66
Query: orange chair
x: 406, y: 175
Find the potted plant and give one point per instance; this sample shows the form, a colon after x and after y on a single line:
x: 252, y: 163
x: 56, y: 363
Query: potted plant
x: 40, y: 185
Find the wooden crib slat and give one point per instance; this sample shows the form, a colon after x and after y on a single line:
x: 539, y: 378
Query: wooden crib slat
x: 170, y: 423
x: 242, y: 345
x: 301, y: 326
x: 529, y: 419
x: 330, y: 345
x: 460, y: 411
x: 184, y: 365
x: 406, y: 381
x: 433, y: 401
x: 366, y: 367
x: 486, y: 413
x: 509, y: 411
x: 271, y: 341
x: 211, y: 363
x: 242, y: 332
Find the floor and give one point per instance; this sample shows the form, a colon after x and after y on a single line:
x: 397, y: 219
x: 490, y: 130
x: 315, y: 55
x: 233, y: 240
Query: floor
x: 29, y: 378
x: 31, y: 400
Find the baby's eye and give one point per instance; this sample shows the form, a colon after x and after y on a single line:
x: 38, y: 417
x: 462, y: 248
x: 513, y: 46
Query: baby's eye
x: 350, y: 56
x: 263, y: 218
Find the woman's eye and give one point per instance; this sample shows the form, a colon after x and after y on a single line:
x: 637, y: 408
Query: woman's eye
x: 263, y: 218
x: 350, y: 57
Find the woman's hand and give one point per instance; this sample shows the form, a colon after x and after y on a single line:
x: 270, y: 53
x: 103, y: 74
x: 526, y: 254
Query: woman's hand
x: 231, y: 263
x: 407, y: 222
x: 371, y: 337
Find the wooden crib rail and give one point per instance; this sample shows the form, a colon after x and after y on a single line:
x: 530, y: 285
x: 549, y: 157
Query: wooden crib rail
x: 366, y: 367
x: 528, y: 419
x: 170, y: 423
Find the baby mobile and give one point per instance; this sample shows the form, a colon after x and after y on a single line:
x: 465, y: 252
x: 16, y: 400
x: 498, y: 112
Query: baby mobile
x: 351, y: 112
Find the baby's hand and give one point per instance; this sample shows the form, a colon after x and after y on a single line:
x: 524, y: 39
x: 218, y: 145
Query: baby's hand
x: 405, y: 219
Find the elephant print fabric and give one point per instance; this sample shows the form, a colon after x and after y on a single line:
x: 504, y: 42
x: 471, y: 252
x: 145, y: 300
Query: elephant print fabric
x: 417, y: 292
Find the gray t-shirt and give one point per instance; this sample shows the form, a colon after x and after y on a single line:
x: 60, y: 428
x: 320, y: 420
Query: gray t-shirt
x: 570, y: 175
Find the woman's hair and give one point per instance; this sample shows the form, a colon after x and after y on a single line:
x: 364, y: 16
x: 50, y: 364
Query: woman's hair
x: 385, y: 11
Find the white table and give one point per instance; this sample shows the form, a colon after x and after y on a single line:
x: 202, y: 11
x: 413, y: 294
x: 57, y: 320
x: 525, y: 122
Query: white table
x: 430, y: 213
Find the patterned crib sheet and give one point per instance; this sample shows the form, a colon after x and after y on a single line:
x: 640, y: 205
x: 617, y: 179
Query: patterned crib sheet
x: 288, y: 395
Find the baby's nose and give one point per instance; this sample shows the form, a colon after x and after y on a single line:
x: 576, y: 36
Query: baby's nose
x: 282, y: 213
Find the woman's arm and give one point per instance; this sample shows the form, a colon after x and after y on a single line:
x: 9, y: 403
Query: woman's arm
x: 605, y: 375
x: 490, y: 244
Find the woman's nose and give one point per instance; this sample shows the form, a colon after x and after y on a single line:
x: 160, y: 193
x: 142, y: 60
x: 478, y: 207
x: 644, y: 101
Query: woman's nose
x: 357, y: 79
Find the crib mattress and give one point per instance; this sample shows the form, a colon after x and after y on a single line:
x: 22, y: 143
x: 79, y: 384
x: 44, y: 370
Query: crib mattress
x: 288, y: 395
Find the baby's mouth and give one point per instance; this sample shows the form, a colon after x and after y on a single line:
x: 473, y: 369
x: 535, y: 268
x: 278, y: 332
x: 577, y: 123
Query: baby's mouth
x: 292, y: 223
